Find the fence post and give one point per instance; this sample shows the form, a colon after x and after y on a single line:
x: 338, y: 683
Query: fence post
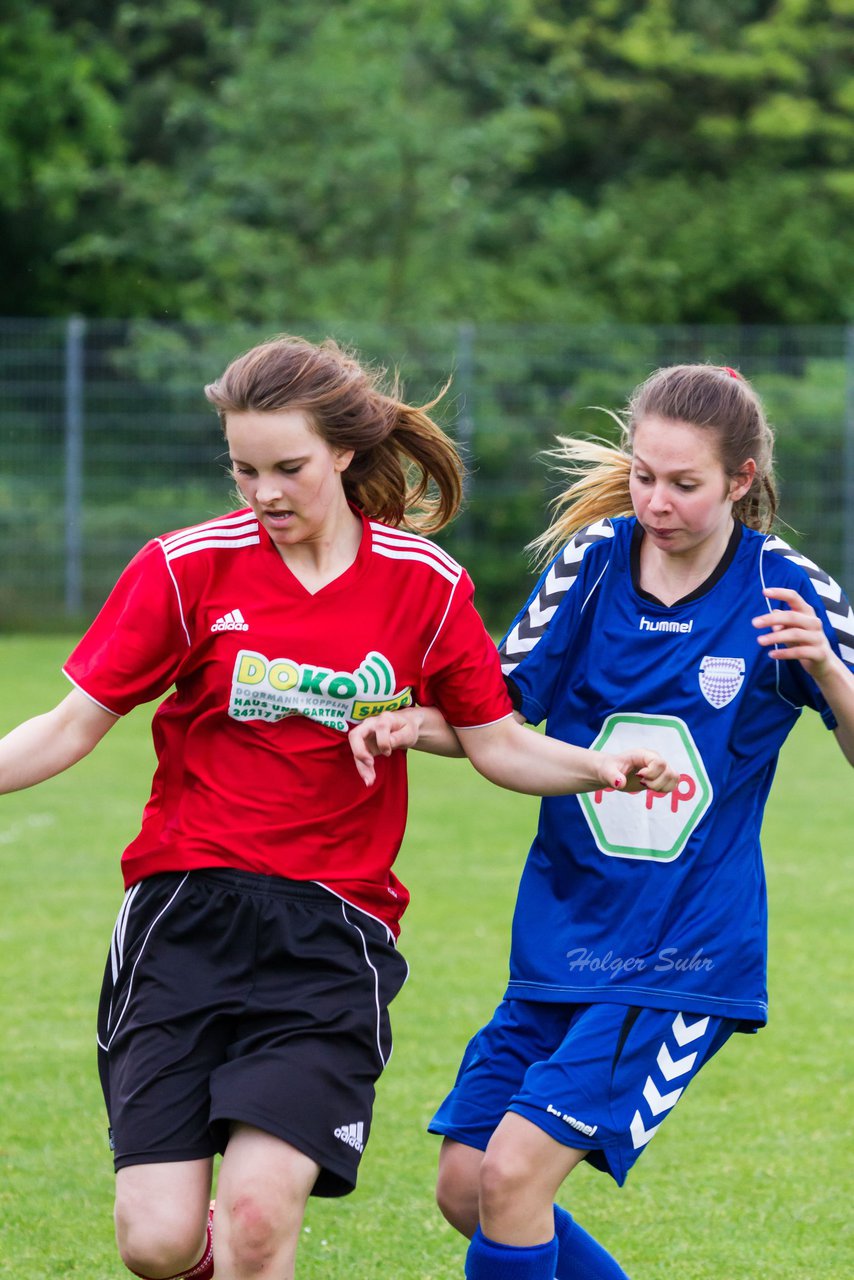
x: 848, y: 465
x: 75, y: 334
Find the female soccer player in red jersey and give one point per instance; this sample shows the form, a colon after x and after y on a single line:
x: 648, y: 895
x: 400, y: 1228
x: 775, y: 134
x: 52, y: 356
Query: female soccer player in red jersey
x: 245, y: 997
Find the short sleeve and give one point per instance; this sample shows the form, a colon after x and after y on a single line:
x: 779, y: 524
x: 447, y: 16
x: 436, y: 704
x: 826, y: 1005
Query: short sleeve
x: 134, y: 648
x: 462, y: 672
x: 785, y: 566
x: 536, y: 649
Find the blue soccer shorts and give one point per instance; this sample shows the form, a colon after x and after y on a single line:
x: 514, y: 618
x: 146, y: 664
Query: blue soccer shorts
x: 597, y: 1077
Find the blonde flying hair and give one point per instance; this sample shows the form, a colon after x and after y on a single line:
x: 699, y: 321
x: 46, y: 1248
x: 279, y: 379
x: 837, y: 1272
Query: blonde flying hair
x: 712, y: 397
x: 405, y: 469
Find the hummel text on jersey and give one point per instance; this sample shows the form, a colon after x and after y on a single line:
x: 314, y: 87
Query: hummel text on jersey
x: 663, y: 624
x: 353, y: 1135
x: 587, y: 1129
x: 233, y: 621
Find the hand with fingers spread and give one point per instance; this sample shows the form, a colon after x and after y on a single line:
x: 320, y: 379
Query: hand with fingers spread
x: 795, y: 633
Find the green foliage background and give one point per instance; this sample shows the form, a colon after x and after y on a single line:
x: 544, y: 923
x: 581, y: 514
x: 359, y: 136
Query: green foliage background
x: 549, y: 161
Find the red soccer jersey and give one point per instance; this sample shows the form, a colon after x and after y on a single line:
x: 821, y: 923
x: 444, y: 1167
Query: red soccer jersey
x: 254, y: 769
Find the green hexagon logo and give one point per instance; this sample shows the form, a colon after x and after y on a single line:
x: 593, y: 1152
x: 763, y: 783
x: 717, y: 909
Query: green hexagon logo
x: 649, y: 824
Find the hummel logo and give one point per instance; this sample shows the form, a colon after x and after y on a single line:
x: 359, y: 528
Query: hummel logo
x: 233, y: 621
x: 353, y: 1135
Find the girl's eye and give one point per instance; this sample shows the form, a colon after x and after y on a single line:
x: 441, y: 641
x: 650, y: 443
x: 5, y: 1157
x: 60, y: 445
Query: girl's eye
x: 243, y: 471
x: 686, y: 488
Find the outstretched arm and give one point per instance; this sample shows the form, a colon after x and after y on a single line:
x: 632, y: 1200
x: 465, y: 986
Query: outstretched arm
x: 796, y: 634
x: 514, y: 757
x: 509, y: 755
x: 52, y: 742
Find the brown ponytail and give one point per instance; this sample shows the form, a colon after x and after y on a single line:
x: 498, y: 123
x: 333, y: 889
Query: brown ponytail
x: 405, y: 469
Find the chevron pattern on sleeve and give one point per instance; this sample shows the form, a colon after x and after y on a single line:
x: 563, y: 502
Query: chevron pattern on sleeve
x: 561, y: 575
x: 834, y: 599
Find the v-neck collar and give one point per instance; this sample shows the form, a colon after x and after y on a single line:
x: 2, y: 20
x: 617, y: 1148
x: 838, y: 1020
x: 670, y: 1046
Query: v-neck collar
x: 344, y: 579
x: 707, y: 584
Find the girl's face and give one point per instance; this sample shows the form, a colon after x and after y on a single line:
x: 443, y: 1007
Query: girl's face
x: 288, y: 474
x: 681, y: 494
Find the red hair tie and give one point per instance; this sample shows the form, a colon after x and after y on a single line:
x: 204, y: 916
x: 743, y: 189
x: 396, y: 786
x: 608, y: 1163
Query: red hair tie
x: 733, y: 373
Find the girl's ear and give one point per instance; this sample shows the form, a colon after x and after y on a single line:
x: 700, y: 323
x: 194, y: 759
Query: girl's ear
x: 740, y: 483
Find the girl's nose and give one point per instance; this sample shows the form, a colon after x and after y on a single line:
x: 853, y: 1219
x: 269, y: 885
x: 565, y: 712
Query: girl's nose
x: 660, y: 499
x: 268, y: 489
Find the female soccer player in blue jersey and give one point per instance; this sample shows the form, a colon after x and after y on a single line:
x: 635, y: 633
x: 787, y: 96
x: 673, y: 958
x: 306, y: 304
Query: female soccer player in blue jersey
x: 669, y: 612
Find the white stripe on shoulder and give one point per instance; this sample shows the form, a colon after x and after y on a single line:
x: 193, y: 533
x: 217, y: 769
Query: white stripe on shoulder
x: 217, y: 544
x: 840, y: 615
x: 403, y: 537
x: 414, y: 557
x: 561, y: 576
x: 395, y: 545
x: 237, y: 530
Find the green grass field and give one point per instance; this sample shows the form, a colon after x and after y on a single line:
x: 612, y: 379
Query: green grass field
x: 747, y: 1180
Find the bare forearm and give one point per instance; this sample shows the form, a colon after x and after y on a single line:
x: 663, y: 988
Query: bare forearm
x: 837, y: 688
x: 47, y: 744
x: 521, y: 760
x: 508, y: 754
x: 435, y: 735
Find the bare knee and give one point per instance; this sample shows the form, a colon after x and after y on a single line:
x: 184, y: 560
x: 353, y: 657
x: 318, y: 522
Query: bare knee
x: 256, y: 1232
x: 157, y: 1244
x: 506, y: 1179
x: 161, y: 1216
x: 457, y: 1186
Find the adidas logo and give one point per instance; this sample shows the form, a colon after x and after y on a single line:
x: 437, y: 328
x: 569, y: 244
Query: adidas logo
x: 353, y: 1135
x: 233, y: 621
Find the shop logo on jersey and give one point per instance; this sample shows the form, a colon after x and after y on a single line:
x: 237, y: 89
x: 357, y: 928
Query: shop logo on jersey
x: 649, y: 824
x: 271, y: 688
x: 721, y: 679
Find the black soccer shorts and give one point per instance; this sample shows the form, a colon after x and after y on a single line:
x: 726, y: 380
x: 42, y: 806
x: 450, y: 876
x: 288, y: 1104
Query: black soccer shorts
x: 234, y: 997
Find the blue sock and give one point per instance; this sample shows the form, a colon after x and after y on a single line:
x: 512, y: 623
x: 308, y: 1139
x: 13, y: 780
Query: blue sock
x: 487, y: 1260
x: 580, y: 1257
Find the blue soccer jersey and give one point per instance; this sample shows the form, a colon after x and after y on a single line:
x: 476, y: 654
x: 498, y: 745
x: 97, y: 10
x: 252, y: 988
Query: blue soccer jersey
x: 649, y: 899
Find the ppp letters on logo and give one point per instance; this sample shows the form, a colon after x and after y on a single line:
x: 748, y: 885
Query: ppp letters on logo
x: 649, y: 824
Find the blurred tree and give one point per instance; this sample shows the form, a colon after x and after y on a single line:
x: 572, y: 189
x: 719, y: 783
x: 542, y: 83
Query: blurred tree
x: 60, y: 123
x: 387, y: 160
x: 712, y: 149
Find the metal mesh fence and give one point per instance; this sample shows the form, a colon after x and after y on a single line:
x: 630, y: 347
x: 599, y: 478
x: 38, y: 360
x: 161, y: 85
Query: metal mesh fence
x: 107, y: 438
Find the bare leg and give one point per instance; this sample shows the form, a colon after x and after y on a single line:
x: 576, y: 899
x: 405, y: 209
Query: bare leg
x: 161, y: 1215
x: 458, y: 1185
x: 519, y: 1178
x: 264, y: 1184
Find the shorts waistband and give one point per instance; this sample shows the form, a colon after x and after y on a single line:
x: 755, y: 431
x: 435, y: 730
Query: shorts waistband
x: 266, y: 885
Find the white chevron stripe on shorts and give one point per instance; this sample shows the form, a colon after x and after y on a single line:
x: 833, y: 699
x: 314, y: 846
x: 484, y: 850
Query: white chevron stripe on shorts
x: 659, y: 1101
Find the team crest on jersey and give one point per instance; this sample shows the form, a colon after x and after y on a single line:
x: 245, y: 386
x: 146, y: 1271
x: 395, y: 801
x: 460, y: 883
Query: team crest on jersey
x: 272, y: 688
x: 721, y: 679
